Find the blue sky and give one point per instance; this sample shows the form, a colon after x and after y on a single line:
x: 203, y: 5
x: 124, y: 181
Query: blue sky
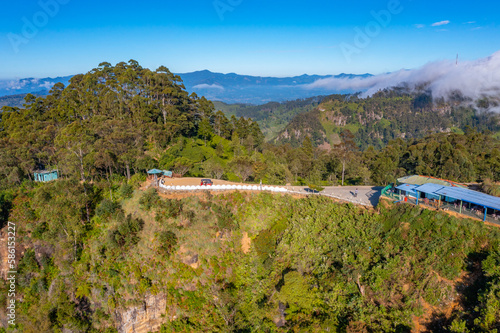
x: 255, y: 37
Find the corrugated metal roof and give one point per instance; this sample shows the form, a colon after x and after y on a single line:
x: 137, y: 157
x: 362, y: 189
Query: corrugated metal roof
x: 407, y: 187
x: 421, y: 180
x: 430, y: 188
x: 459, y: 193
x: 478, y: 198
x: 42, y: 172
x: 154, y: 171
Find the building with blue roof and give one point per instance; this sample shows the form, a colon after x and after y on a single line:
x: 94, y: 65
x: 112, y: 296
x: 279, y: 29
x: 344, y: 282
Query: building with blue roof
x: 462, y: 199
x: 407, y: 189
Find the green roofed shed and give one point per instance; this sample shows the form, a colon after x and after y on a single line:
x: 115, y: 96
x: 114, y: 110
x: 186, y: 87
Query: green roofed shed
x: 421, y: 180
x: 155, y: 172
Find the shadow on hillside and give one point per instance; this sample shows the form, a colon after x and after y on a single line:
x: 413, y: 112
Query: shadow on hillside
x: 374, y: 195
x: 467, y: 289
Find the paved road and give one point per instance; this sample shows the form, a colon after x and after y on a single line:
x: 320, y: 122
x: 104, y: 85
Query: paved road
x: 367, y: 195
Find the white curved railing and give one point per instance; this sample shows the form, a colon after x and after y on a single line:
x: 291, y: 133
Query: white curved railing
x: 222, y: 188
x: 275, y: 189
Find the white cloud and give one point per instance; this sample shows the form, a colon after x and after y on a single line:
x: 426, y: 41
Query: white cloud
x: 47, y: 85
x: 474, y: 79
x: 208, y: 86
x: 419, y: 26
x: 15, y: 84
x: 438, y: 24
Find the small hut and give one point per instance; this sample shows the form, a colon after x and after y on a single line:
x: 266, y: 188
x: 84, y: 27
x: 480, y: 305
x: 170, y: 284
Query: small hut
x: 45, y: 176
x: 154, y: 174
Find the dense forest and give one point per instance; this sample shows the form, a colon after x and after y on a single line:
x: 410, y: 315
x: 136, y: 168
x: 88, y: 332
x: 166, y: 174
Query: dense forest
x: 247, y: 263
x: 95, y: 244
x: 16, y: 100
x: 272, y: 117
x: 125, y: 119
x: 117, y: 119
x: 387, y: 115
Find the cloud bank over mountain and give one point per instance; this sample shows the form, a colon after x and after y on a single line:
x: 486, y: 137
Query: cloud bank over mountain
x: 208, y: 86
x: 30, y: 85
x: 474, y: 79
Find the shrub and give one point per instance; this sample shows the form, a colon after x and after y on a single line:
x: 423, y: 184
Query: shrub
x: 149, y: 199
x: 225, y: 218
x: 168, y: 242
x: 137, y: 179
x: 267, y: 240
x: 38, y: 230
x: 125, y: 234
x: 106, y: 208
x: 168, y: 208
x: 300, y: 182
x: 491, y: 188
x: 28, y: 263
x: 5, y: 207
x: 126, y: 191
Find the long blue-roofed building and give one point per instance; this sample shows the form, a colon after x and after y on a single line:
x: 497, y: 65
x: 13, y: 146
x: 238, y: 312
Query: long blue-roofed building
x: 450, y: 196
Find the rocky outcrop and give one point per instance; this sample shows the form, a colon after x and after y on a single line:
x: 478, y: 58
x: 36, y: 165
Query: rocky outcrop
x: 4, y: 268
x: 4, y: 259
x: 145, y: 318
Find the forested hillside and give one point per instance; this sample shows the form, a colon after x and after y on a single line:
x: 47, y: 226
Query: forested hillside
x: 246, y: 263
x: 114, y: 119
x: 96, y: 249
x: 15, y: 100
x: 272, y: 117
x: 125, y: 119
x: 387, y: 115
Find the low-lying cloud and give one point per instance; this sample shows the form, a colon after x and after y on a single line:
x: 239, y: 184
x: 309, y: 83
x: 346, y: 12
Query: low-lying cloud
x: 25, y: 83
x: 474, y: 79
x: 15, y: 84
x: 208, y: 86
x: 46, y: 85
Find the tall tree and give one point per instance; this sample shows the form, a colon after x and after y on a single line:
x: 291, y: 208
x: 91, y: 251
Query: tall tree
x: 76, y: 140
x: 243, y: 167
x: 205, y: 130
x: 345, y: 150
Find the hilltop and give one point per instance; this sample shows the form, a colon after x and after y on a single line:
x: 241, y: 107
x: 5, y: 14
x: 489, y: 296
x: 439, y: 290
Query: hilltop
x: 385, y: 116
x: 272, y: 117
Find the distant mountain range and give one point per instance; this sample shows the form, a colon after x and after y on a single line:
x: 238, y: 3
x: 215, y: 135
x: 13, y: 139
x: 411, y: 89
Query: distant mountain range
x: 30, y: 85
x: 228, y: 88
